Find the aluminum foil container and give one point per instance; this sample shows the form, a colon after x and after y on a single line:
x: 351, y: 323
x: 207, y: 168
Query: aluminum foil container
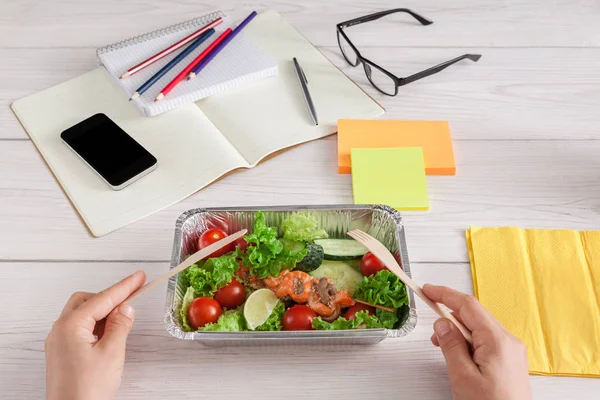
x: 382, y: 222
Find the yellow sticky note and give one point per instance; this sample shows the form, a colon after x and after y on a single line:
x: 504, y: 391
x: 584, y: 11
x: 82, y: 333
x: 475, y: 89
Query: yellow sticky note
x: 542, y: 284
x: 432, y: 136
x: 395, y: 177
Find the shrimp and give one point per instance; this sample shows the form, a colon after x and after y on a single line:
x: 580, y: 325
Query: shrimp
x: 297, y: 285
x: 273, y: 282
x: 326, y: 301
x: 343, y: 299
x: 319, y: 294
x: 243, y: 273
x: 323, y: 293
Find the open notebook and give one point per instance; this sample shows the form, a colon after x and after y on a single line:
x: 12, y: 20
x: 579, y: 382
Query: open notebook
x: 199, y: 142
x: 241, y: 62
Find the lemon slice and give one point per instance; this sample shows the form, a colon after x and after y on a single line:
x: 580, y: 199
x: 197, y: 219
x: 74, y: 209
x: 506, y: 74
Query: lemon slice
x: 258, y: 307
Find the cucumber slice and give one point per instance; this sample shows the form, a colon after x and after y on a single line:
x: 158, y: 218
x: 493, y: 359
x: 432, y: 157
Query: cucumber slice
x: 341, y: 249
x: 344, y: 274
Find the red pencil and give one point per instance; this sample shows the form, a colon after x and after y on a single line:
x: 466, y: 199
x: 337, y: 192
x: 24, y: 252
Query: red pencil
x: 172, y: 48
x: 191, y: 66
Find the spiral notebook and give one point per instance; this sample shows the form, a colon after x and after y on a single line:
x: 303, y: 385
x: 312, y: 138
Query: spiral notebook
x: 240, y: 63
x: 197, y: 143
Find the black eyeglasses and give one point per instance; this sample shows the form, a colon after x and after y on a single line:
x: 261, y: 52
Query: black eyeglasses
x: 381, y: 79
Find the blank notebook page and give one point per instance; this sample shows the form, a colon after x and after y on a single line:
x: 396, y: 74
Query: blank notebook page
x: 191, y: 152
x: 269, y: 115
x: 241, y: 62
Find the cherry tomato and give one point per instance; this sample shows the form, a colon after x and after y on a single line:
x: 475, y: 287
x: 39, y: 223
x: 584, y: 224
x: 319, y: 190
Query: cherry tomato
x: 232, y: 295
x: 298, y: 318
x: 351, y: 312
x: 203, y: 311
x: 370, y: 265
x: 211, y: 236
x: 241, y: 243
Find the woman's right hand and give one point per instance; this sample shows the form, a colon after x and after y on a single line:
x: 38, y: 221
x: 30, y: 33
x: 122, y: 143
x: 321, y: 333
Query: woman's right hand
x: 497, y: 366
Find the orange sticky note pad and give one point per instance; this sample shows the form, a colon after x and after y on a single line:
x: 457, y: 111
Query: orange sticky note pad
x: 432, y: 136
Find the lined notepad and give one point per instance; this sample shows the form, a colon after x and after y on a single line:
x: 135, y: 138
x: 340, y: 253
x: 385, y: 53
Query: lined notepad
x: 241, y: 62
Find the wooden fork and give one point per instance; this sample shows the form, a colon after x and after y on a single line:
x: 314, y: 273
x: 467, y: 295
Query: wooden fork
x: 384, y: 255
x: 192, y: 259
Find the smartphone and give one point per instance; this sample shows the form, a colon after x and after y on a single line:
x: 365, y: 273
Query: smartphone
x: 109, y: 150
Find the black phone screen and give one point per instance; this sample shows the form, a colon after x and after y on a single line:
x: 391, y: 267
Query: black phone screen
x: 108, y: 149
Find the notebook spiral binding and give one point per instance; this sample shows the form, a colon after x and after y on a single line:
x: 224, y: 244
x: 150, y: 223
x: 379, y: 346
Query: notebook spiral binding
x: 202, y: 20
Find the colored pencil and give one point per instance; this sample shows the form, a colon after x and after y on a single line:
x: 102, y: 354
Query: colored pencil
x: 187, y: 69
x: 171, y: 48
x: 213, y: 54
x: 163, y: 71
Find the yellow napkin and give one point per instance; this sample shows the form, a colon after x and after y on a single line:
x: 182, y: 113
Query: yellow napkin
x: 544, y: 286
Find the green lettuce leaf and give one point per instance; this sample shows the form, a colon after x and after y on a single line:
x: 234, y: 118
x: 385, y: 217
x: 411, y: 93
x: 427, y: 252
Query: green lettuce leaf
x: 339, y: 324
x: 383, y: 288
x: 212, y: 274
x: 273, y: 323
x: 363, y: 320
x: 386, y: 319
x: 266, y: 255
x: 185, y: 304
x: 229, y: 321
x: 200, y: 280
x: 222, y: 268
x: 302, y: 227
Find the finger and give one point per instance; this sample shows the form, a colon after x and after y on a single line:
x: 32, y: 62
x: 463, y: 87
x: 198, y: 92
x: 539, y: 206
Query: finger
x: 117, y: 327
x: 75, y: 301
x: 434, y: 340
x: 101, y: 304
x: 457, y: 316
x: 453, y: 299
x: 455, y: 349
x: 472, y: 314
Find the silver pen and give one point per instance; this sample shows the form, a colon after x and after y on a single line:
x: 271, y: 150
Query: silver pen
x: 304, y: 85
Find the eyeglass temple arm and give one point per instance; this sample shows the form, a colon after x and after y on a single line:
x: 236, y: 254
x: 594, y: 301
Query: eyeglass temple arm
x: 437, y: 68
x: 373, y: 17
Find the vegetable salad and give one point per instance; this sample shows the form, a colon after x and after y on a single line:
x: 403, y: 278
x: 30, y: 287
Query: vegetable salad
x: 301, y: 280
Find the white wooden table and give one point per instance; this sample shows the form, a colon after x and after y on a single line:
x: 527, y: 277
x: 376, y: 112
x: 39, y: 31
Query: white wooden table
x: 525, y: 122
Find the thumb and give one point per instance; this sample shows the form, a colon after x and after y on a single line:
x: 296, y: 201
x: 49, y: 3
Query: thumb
x: 118, y: 325
x: 455, y: 349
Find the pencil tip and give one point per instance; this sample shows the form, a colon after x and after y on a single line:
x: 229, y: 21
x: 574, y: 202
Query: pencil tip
x: 135, y: 95
x: 125, y: 75
x: 159, y: 97
x: 191, y: 76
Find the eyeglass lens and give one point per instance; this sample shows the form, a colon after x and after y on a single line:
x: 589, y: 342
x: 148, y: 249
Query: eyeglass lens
x: 347, y: 50
x: 382, y: 81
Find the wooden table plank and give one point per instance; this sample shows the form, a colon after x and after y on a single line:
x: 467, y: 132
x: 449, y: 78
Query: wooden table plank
x: 509, y: 94
x: 525, y: 183
x: 161, y: 367
x: 514, y: 23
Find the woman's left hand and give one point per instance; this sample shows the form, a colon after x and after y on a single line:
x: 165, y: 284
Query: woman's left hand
x: 85, y: 351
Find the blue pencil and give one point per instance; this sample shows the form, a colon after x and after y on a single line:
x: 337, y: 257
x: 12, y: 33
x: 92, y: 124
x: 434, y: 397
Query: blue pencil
x: 221, y: 45
x: 140, y: 91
